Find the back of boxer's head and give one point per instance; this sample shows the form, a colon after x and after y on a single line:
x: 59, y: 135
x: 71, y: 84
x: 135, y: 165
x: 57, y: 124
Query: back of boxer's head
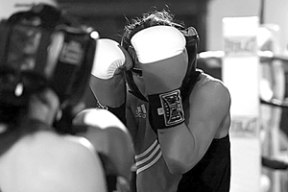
x: 13, y: 95
x: 46, y: 16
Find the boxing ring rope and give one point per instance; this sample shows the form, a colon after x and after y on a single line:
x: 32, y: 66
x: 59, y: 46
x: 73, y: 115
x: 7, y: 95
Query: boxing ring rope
x: 265, y: 56
x: 275, y: 103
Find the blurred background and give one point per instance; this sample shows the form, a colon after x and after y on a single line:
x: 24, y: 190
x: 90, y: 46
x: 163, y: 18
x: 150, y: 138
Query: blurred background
x: 109, y: 17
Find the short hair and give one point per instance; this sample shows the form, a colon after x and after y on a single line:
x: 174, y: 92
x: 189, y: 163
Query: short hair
x: 149, y: 19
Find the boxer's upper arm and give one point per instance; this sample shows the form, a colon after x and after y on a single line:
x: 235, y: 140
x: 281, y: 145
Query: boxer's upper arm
x: 184, y: 145
x: 208, y: 109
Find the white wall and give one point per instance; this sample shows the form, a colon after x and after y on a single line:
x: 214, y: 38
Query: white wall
x: 276, y: 12
x: 7, y: 7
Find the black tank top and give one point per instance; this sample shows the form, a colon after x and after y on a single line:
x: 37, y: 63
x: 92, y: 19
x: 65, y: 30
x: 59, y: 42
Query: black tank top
x: 212, y: 173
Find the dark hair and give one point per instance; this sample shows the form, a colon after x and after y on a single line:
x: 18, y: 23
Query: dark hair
x: 164, y: 17
x: 147, y: 20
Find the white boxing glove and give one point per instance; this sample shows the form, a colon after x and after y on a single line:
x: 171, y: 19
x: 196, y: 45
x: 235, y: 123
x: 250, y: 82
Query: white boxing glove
x: 108, y: 59
x: 107, y: 78
x: 161, y: 51
x: 158, y: 43
x: 162, y: 56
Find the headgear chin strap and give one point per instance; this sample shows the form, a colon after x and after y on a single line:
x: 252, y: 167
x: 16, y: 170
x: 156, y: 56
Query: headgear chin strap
x: 192, y: 40
x: 36, y: 53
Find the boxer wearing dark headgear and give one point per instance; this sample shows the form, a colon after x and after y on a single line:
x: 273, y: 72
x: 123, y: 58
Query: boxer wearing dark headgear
x: 178, y: 116
x: 45, y: 68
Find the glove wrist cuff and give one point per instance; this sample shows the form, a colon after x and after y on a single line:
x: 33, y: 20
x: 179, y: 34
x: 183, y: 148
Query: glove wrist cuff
x: 166, y: 109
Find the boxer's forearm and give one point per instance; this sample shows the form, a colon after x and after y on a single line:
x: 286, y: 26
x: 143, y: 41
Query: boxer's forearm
x: 179, y: 148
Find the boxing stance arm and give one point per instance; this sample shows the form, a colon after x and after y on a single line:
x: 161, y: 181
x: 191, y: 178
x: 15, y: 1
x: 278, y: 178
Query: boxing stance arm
x: 109, y: 137
x: 107, y: 77
x: 185, y: 144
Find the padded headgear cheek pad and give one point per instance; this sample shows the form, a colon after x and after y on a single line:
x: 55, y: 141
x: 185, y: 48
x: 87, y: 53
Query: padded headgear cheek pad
x: 192, y: 41
x: 134, y: 72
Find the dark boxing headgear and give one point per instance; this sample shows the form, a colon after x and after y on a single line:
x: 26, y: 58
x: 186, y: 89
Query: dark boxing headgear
x: 192, y: 40
x: 40, y: 48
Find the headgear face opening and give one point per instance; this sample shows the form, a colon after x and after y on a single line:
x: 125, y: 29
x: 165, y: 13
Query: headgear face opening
x: 192, y: 40
x: 33, y: 56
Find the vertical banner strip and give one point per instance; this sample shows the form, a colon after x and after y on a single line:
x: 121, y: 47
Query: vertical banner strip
x: 241, y: 73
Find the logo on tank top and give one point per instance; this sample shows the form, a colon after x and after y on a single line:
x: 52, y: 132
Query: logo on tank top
x: 141, y: 111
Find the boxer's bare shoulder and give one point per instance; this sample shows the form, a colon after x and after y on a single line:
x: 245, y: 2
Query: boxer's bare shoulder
x: 211, y: 87
x: 211, y: 98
